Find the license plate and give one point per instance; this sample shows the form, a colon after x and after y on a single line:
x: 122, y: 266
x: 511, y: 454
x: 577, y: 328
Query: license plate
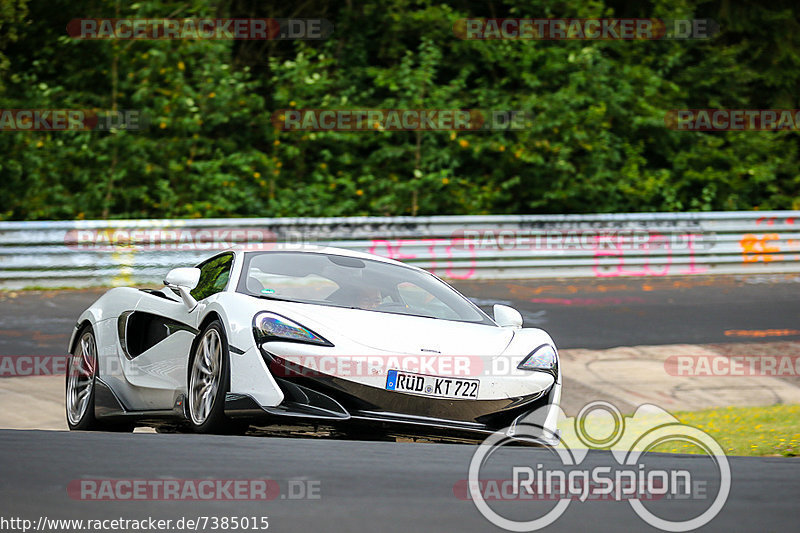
x: 439, y: 387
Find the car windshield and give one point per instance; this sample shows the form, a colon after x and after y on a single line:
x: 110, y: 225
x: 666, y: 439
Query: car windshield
x: 342, y: 281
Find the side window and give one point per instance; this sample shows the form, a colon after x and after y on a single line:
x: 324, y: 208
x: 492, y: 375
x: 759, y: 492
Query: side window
x: 214, y: 275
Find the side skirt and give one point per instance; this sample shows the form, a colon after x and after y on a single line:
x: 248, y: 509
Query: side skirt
x: 108, y: 406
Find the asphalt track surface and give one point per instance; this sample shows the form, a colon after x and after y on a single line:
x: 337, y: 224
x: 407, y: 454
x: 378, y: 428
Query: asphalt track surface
x: 607, y: 313
x: 362, y: 486
x: 384, y: 486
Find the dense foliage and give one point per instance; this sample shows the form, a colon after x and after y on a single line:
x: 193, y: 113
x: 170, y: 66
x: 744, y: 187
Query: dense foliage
x: 598, y: 142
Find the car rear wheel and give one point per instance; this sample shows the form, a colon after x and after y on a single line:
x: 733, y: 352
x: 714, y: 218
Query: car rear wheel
x: 82, y: 372
x: 209, y: 382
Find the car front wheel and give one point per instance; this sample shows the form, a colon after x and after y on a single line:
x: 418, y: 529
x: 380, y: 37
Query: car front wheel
x: 209, y: 382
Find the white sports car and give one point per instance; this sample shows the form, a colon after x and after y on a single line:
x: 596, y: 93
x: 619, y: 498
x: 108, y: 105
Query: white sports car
x: 311, y: 335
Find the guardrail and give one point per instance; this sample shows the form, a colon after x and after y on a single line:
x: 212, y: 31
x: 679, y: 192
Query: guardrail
x: 121, y: 252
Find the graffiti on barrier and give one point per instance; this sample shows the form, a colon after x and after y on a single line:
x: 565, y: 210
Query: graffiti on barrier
x: 438, y: 249
x: 647, y: 263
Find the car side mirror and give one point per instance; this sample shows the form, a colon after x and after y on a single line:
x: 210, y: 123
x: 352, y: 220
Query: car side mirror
x: 184, y: 280
x: 507, y: 317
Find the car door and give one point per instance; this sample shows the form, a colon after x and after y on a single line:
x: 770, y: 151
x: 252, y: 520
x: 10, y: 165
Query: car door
x: 159, y: 334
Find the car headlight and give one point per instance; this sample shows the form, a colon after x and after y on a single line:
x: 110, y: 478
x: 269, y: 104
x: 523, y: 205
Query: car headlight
x: 273, y: 327
x: 542, y: 358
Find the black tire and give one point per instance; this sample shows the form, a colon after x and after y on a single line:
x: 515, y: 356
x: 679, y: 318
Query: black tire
x: 210, y: 353
x: 82, y: 372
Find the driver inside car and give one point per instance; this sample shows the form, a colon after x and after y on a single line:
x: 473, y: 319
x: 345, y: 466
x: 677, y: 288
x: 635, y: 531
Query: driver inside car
x: 368, y: 298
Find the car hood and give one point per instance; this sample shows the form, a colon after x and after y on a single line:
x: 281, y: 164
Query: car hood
x: 397, y: 333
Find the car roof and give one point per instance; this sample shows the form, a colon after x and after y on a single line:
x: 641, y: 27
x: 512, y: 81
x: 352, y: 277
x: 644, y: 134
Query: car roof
x: 316, y: 249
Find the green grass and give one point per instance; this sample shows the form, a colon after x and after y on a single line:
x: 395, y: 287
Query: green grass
x: 754, y: 431
x: 757, y: 431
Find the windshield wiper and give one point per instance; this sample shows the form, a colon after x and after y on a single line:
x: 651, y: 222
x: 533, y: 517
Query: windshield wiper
x: 276, y: 298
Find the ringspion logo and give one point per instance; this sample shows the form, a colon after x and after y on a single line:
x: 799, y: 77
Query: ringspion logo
x: 566, y: 475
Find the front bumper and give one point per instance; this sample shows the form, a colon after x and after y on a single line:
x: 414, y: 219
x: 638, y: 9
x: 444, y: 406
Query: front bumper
x: 316, y: 398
